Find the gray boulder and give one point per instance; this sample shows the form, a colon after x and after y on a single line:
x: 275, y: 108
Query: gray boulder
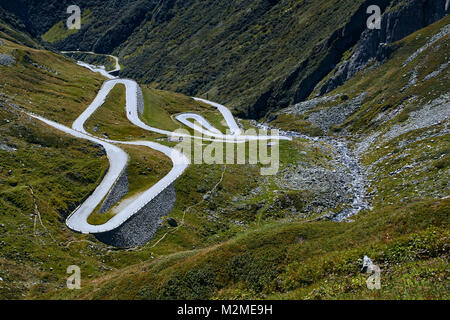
x: 6, y: 60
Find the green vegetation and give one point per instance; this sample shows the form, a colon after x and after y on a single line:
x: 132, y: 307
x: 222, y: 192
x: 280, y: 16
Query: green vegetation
x: 234, y: 52
x: 60, y: 31
x: 146, y: 166
x: 411, y: 165
x: 47, y: 84
x: 13, y: 30
x: 162, y: 106
x: 6, y: 32
x: 387, y: 84
x: 297, y: 260
x: 298, y: 123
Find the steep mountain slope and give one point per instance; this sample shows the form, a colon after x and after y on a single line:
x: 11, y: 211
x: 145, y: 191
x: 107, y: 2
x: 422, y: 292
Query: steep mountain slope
x: 255, y: 57
x: 13, y: 29
x: 44, y: 174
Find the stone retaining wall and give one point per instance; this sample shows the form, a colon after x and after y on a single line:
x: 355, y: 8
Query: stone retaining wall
x: 141, y: 227
x: 119, y: 190
x: 140, y: 101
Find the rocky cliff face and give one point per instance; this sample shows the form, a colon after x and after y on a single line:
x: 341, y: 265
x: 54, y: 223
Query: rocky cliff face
x: 400, y: 20
x: 324, y: 58
x: 396, y: 23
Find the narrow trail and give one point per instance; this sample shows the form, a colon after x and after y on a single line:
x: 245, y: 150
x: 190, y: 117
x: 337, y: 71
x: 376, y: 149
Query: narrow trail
x: 188, y: 209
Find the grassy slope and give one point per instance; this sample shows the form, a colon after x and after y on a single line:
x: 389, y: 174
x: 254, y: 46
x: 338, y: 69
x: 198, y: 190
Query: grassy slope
x: 146, y: 167
x: 233, y: 51
x: 47, y: 84
x: 384, y: 83
x: 297, y: 260
x: 200, y: 228
x: 427, y: 156
x: 284, y: 260
x: 213, y: 257
x: 61, y: 171
x: 12, y: 29
x: 161, y: 107
x: 6, y: 32
x: 406, y: 232
x: 60, y: 31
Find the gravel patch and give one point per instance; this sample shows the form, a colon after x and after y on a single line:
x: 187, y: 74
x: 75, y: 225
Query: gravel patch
x: 6, y: 148
x: 336, y: 115
x: 302, y: 107
x: 433, y: 113
x: 444, y: 32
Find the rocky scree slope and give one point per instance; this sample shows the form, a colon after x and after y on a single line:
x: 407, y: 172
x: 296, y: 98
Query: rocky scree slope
x: 396, y: 118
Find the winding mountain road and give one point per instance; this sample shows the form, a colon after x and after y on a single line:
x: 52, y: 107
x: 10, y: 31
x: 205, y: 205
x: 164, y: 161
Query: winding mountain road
x: 78, y: 220
x: 226, y: 113
x: 100, y: 69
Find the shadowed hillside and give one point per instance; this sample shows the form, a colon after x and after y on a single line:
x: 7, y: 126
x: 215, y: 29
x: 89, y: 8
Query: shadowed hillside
x: 256, y: 57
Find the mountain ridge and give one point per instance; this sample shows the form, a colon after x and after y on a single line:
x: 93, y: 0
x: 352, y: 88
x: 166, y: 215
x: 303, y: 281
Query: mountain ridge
x: 158, y: 39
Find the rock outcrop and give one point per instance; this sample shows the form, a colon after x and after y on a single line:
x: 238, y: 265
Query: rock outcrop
x: 337, y: 114
x: 6, y: 60
x: 140, y: 101
x: 396, y: 23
